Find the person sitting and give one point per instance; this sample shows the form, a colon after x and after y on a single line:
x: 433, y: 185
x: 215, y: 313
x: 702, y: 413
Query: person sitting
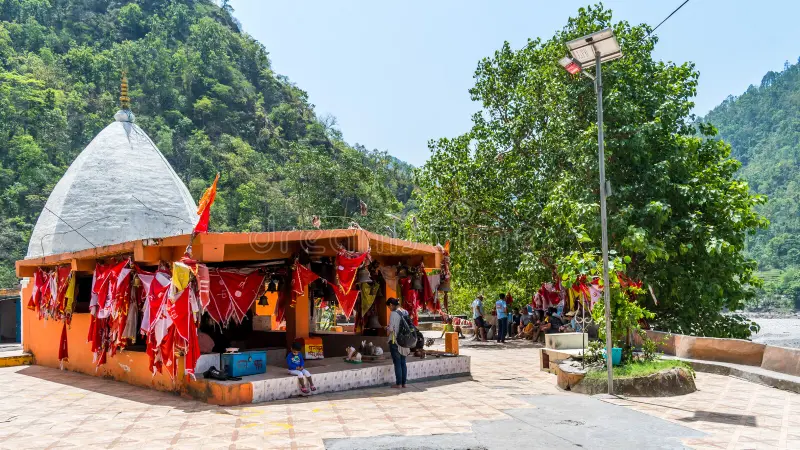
x: 550, y: 324
x: 539, y: 327
x: 449, y: 328
x: 491, y: 321
x: 538, y: 316
x: 554, y: 323
x: 295, y: 362
x: 516, y: 320
x: 567, y: 325
x: 524, y: 317
x: 572, y: 326
x: 526, y: 332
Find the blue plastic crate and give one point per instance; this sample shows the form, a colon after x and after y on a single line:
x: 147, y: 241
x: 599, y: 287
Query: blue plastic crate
x: 244, y: 363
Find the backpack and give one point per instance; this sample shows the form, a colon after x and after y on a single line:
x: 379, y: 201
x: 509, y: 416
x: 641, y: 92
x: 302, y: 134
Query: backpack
x: 406, y: 334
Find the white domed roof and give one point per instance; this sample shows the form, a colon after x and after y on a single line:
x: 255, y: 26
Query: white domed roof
x: 120, y: 188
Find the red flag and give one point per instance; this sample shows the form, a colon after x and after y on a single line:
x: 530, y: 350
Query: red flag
x: 181, y: 313
x: 346, y: 268
x: 219, y: 308
x: 301, y: 278
x: 242, y: 288
x: 204, y: 207
x: 204, y: 285
x: 346, y: 301
x: 192, y: 352
x: 63, y: 353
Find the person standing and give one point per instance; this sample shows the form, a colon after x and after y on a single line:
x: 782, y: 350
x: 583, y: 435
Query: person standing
x: 398, y: 353
x: 477, y: 318
x: 502, y: 318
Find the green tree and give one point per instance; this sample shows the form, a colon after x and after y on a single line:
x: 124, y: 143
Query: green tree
x: 518, y: 192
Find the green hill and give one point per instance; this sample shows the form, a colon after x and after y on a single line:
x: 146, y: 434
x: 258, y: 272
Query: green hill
x: 205, y: 93
x: 763, y: 128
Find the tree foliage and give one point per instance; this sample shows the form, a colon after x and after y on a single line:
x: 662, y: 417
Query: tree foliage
x: 204, y: 91
x: 519, y: 191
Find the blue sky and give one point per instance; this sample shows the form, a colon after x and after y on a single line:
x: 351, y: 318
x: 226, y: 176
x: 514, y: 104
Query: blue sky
x: 396, y: 74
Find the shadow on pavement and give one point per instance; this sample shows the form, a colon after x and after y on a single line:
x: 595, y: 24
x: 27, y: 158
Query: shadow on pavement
x: 555, y: 422
x: 150, y: 396
x: 732, y: 419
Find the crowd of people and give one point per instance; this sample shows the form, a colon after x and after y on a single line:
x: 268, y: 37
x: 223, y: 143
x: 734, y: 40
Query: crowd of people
x: 496, y: 322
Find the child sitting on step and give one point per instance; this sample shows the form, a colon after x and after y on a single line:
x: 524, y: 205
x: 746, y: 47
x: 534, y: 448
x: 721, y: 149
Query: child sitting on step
x: 296, y: 363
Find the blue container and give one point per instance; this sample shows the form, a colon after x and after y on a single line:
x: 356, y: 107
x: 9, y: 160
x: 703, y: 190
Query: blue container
x: 616, y: 355
x: 244, y: 363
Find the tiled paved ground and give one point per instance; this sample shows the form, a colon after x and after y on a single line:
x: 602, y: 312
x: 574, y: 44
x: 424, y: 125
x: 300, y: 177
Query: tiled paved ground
x: 47, y: 408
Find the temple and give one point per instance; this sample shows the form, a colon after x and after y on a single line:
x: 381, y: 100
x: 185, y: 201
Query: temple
x: 116, y: 284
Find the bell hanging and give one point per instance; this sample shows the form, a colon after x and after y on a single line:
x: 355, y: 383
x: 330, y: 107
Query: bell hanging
x: 263, y: 301
x: 330, y: 296
x: 327, y: 271
x: 445, y: 286
x: 416, y: 283
x: 273, y: 285
x: 363, y: 276
x: 373, y: 322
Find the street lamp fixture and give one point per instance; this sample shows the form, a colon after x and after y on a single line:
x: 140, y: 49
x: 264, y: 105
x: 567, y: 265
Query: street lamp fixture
x: 587, y: 51
x: 570, y: 65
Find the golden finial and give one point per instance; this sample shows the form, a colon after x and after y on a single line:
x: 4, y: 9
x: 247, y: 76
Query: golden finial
x: 124, y: 100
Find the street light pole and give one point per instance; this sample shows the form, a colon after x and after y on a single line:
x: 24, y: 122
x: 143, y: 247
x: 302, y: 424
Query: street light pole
x: 587, y: 51
x: 598, y: 85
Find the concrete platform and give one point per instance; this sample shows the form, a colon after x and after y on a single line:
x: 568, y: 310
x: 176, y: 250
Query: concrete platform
x: 12, y: 355
x: 753, y: 374
x: 10, y: 348
x: 329, y: 375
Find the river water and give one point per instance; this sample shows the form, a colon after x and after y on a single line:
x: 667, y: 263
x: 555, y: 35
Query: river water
x: 778, y: 331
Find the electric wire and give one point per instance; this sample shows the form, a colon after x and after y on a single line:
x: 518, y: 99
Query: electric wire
x: 670, y: 15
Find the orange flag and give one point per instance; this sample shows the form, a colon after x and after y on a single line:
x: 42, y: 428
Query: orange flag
x: 204, y: 208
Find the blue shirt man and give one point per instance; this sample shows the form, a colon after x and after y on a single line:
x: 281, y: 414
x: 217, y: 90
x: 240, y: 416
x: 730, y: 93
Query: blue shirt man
x: 502, y: 307
x: 477, y: 307
x: 502, y: 318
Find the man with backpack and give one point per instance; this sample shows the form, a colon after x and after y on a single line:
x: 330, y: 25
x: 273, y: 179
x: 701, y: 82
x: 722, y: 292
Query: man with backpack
x: 402, y: 337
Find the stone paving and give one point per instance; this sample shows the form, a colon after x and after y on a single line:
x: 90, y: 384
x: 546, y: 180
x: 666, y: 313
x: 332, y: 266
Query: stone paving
x: 47, y: 408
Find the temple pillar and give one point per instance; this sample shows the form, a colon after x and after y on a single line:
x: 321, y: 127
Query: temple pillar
x: 383, y: 310
x: 297, y: 318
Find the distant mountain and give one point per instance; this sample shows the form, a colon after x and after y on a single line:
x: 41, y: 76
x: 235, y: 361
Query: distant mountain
x: 763, y: 128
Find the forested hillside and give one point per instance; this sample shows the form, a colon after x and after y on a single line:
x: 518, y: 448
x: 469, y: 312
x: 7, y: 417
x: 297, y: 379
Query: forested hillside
x: 205, y: 93
x: 763, y: 128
